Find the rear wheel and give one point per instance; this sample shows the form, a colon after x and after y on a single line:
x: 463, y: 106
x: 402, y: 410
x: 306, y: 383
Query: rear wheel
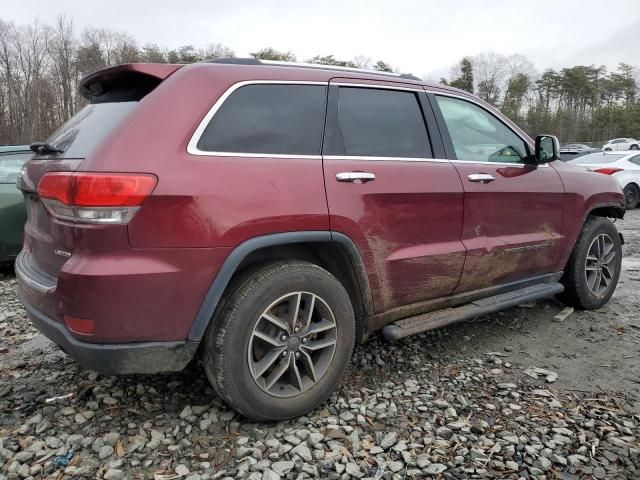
x: 631, y: 196
x: 282, y: 343
x: 635, y: 147
x: 607, y: 149
x: 593, y: 270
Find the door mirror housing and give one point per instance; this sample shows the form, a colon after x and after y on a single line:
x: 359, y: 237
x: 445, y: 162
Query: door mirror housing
x: 547, y: 148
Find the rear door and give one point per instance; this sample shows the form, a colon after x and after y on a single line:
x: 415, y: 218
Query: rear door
x: 389, y: 193
x: 513, y: 211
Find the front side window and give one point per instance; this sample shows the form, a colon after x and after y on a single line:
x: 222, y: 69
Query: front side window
x: 268, y: 119
x: 478, y: 136
x: 382, y: 123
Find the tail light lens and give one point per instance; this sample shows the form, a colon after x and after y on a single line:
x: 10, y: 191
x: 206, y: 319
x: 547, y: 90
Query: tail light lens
x: 85, y: 197
x: 608, y: 170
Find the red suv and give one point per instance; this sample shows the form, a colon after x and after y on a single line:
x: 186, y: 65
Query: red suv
x: 270, y: 216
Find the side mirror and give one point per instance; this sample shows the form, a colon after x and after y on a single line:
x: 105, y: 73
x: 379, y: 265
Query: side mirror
x: 547, y: 148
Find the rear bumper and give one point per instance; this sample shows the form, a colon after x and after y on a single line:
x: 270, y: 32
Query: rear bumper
x: 141, y: 357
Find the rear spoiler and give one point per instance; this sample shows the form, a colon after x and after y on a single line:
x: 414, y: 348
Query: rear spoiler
x: 128, y: 82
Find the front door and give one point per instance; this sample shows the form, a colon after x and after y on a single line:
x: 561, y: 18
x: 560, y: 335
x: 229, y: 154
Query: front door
x: 385, y: 190
x: 512, y: 210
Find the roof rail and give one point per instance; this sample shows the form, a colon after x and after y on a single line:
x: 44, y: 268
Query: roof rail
x: 320, y: 66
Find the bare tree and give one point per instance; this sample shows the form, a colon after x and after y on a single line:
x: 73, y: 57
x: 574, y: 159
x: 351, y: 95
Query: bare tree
x: 63, y: 49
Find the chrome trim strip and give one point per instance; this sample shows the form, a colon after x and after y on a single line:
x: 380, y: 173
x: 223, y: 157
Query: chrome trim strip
x: 505, y: 164
x: 192, y: 146
x: 21, y: 270
x: 379, y: 159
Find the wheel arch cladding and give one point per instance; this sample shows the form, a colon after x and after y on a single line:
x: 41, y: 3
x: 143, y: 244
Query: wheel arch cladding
x: 320, y: 247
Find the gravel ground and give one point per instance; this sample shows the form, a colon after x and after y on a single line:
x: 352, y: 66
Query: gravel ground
x: 513, y: 395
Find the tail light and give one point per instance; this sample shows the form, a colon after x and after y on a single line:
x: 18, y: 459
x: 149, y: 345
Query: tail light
x: 608, y: 170
x: 111, y: 198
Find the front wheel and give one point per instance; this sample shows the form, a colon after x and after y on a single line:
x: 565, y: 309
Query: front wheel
x: 635, y: 147
x: 592, y: 274
x: 282, y: 343
x: 607, y: 149
x: 631, y: 196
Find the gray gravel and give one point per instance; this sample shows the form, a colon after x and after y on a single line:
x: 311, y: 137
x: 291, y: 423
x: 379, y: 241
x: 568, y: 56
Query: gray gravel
x: 455, y: 403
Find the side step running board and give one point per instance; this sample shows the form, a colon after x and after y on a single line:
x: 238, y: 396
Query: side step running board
x: 440, y: 318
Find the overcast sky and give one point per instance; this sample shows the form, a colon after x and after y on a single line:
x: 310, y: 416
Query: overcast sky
x: 424, y: 37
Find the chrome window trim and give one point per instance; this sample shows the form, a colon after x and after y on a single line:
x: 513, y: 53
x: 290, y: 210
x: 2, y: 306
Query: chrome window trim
x: 504, y: 164
x: 192, y: 146
x: 381, y: 159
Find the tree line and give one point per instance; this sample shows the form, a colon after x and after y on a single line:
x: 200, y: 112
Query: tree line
x: 583, y: 103
x: 41, y: 65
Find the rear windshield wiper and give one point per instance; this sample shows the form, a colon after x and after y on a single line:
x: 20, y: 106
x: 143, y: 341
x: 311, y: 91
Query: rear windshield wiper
x: 44, y: 148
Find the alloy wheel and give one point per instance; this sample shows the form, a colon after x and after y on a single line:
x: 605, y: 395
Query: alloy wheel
x: 292, y: 344
x: 600, y: 265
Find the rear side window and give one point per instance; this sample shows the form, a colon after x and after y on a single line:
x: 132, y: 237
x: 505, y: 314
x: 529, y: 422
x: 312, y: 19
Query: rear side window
x: 268, y: 119
x: 87, y: 128
x: 382, y: 123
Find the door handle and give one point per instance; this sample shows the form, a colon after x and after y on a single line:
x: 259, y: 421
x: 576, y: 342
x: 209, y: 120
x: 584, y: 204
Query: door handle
x: 481, y: 178
x: 355, y: 177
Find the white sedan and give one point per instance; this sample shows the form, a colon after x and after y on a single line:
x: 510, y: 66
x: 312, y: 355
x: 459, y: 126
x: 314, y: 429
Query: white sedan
x: 623, y: 166
x: 621, y: 144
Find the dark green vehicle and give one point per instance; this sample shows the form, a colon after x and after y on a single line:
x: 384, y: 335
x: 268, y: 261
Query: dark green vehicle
x: 12, y: 210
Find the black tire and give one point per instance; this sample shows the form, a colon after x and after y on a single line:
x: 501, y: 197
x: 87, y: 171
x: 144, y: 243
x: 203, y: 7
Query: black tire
x: 577, y: 293
x: 227, y: 340
x: 634, y: 147
x: 607, y: 149
x: 631, y: 196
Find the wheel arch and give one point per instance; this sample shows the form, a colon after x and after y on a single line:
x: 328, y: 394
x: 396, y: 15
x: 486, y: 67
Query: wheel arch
x: 332, y: 251
x: 609, y: 211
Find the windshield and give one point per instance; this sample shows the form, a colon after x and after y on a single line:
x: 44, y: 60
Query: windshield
x: 87, y: 128
x: 595, y: 158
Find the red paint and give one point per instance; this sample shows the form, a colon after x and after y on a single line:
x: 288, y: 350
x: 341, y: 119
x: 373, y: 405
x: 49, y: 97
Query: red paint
x: 422, y: 230
x: 512, y: 226
x: 406, y: 225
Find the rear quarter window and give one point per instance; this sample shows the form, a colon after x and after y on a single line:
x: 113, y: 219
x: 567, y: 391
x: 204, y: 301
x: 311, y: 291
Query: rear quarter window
x: 268, y: 119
